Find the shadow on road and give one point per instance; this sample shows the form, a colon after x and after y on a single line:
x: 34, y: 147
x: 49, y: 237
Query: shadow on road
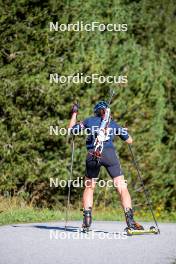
x: 72, y: 229
x: 62, y: 228
x: 67, y: 229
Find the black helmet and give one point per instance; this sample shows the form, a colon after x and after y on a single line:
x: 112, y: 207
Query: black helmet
x: 100, y: 105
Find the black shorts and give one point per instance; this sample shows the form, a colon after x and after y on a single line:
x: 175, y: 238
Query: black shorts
x: 109, y: 160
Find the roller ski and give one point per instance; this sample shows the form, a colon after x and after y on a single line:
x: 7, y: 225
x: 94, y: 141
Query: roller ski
x: 87, y: 220
x: 151, y: 230
x: 134, y: 228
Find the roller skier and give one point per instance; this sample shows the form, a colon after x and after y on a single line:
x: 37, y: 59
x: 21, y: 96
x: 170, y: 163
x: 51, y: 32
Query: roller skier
x: 101, y: 152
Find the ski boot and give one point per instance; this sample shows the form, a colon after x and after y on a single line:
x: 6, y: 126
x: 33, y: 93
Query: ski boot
x: 131, y: 224
x: 87, y: 220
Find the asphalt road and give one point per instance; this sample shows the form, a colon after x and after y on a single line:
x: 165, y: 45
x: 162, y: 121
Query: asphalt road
x: 49, y: 243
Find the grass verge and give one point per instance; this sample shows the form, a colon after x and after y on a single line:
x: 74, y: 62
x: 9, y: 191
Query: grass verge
x: 15, y: 211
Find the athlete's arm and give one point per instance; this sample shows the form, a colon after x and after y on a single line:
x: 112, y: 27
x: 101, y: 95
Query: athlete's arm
x: 129, y: 140
x: 72, y: 120
x: 123, y: 133
x: 73, y: 126
x: 74, y: 112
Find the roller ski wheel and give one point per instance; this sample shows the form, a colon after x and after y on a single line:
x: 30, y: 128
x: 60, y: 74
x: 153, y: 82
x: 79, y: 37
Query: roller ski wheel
x: 128, y: 231
x: 154, y: 230
x: 85, y: 229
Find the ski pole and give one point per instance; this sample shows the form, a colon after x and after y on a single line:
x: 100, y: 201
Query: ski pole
x: 69, y: 182
x: 111, y: 94
x: 143, y: 185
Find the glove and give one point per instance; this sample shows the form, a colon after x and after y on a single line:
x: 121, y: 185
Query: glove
x: 74, y: 109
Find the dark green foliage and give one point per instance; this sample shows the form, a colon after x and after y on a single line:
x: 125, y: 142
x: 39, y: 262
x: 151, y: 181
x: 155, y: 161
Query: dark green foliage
x: 29, y: 104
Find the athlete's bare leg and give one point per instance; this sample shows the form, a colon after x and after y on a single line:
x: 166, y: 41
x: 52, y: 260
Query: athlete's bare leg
x: 88, y: 192
x: 121, y: 187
